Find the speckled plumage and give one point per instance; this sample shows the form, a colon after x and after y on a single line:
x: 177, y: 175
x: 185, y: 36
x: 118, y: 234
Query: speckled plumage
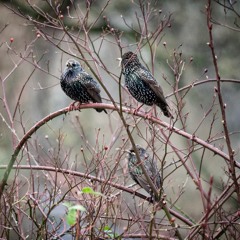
x: 79, y: 85
x: 141, y: 84
x: 150, y: 166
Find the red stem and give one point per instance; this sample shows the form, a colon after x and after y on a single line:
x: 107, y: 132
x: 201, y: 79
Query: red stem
x: 221, y: 103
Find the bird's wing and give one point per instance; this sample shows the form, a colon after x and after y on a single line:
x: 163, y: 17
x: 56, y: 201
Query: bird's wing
x: 152, y: 169
x: 138, y: 176
x: 148, y: 78
x: 148, y: 166
x: 142, y: 181
x: 91, y: 86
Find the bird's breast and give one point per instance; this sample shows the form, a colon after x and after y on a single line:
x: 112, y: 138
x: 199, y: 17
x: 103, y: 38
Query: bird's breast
x: 140, y: 90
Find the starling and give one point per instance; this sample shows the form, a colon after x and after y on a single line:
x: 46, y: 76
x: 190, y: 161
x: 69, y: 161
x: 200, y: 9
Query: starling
x: 150, y: 166
x: 79, y: 85
x: 141, y: 84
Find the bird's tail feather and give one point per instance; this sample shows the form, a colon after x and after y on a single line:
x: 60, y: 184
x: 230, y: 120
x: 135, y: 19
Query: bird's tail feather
x: 165, y: 110
x: 100, y: 110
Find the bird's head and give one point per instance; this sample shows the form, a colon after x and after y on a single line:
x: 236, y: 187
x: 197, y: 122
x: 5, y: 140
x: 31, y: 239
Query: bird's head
x: 128, y: 58
x: 72, y: 64
x: 139, y: 149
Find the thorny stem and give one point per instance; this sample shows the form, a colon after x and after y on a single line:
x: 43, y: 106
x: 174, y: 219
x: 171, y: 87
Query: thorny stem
x: 208, y: 207
x: 178, y: 69
x: 48, y: 118
x: 226, y: 194
x: 200, y: 82
x: 4, y: 80
x: 221, y: 103
x: 107, y: 106
x: 194, y: 178
x: 93, y: 178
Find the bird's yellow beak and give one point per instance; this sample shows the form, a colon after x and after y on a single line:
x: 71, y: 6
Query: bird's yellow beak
x: 120, y: 61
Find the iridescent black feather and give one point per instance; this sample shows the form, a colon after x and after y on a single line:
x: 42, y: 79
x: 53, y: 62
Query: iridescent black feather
x: 141, y: 84
x: 79, y: 85
x: 150, y: 167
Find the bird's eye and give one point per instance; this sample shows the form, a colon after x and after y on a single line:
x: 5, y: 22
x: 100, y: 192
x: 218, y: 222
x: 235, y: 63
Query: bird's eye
x: 73, y: 64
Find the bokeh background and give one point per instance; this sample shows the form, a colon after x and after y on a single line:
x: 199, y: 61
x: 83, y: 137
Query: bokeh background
x: 62, y: 141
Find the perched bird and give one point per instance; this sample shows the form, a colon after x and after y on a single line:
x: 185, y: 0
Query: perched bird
x: 150, y: 167
x: 141, y: 84
x: 79, y: 85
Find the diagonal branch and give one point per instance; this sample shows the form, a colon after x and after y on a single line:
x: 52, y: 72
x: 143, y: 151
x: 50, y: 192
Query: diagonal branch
x: 221, y: 103
x: 100, y: 180
x: 107, y: 106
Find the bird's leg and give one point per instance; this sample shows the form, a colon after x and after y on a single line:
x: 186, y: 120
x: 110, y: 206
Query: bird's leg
x: 149, y: 115
x: 78, y: 106
x: 137, y: 109
x: 73, y: 107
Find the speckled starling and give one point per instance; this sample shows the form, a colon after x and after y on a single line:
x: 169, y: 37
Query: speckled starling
x: 141, y: 84
x: 79, y: 85
x: 149, y: 165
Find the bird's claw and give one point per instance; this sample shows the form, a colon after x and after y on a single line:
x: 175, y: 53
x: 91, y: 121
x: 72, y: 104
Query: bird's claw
x: 73, y: 107
x: 149, y: 115
x: 137, y: 109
